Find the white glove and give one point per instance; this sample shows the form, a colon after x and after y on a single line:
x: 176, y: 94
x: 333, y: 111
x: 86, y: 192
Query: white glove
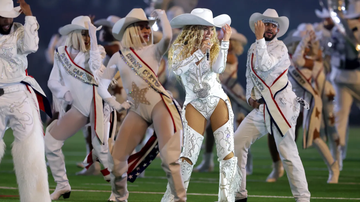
x: 116, y: 105
x: 92, y: 34
x: 68, y: 98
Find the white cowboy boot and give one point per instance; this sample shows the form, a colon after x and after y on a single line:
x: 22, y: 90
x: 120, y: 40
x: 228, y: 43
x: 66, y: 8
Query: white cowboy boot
x: 56, y: 162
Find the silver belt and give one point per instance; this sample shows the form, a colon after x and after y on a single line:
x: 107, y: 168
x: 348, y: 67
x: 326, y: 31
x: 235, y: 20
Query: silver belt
x: 12, y: 88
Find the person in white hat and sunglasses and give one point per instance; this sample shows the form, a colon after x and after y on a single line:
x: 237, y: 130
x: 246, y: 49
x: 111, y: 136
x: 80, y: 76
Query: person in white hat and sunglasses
x: 198, y: 58
x: 74, y: 80
x: 19, y: 103
x: 276, y: 106
x: 138, y: 64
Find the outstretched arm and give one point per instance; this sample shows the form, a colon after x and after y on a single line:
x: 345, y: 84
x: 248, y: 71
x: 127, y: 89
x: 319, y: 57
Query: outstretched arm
x: 164, y: 43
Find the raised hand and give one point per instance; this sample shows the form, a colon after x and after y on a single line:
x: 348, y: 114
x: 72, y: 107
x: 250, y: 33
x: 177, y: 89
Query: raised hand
x: 24, y: 8
x: 206, y: 45
x: 226, y: 29
x: 157, y: 13
x: 259, y: 29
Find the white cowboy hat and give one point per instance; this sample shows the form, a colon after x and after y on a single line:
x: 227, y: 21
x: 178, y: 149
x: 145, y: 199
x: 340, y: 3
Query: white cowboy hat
x: 303, y: 28
x: 200, y: 16
x: 353, y: 10
x: 237, y: 36
x: 78, y: 23
x: 322, y: 14
x: 109, y: 21
x: 135, y: 15
x: 272, y: 15
x: 7, y: 9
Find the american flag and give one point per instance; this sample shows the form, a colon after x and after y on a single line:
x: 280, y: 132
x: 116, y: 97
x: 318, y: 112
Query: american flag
x: 139, y: 161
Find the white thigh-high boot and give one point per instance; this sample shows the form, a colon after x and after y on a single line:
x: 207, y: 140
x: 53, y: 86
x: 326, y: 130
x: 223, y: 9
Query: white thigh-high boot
x: 2, y: 149
x: 56, y: 162
x: 332, y: 165
x: 230, y: 177
x: 191, y: 149
x: 118, y: 180
x: 30, y: 167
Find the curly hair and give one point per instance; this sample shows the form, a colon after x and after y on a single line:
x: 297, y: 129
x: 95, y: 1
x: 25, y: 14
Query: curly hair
x: 190, y: 40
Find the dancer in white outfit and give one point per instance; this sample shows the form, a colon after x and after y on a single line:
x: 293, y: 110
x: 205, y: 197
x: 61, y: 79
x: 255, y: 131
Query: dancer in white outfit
x: 19, y: 105
x: 276, y: 105
x: 137, y: 62
x: 73, y: 80
x: 197, y: 58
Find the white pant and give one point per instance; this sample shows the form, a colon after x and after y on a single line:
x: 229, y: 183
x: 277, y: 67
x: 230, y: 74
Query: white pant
x: 345, y: 95
x: 19, y: 111
x: 252, y: 128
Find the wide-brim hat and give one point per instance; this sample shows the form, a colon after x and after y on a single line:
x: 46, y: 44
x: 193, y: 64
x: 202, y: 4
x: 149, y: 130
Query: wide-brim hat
x: 322, y: 14
x: 353, y: 10
x: 302, y: 30
x: 109, y: 21
x: 135, y: 15
x: 78, y: 23
x: 271, y: 14
x: 200, y: 16
x: 237, y: 36
x: 7, y: 9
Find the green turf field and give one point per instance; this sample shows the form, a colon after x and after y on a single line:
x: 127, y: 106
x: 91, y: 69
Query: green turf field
x: 203, y: 186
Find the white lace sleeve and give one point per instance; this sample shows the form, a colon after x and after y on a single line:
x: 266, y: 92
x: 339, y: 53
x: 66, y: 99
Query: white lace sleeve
x: 180, y: 67
x: 220, y: 63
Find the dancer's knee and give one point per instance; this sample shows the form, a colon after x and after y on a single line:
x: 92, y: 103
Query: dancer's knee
x: 229, y: 156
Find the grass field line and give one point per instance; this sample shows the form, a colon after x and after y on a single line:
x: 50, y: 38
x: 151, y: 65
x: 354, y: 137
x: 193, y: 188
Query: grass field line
x: 203, y: 194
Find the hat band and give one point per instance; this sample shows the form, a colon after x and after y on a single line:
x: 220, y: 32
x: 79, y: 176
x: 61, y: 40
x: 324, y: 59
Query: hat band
x: 270, y: 21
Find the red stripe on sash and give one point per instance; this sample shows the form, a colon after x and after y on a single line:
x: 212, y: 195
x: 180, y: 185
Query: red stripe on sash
x: 75, y: 63
x: 272, y: 96
x: 143, y: 61
x: 172, y: 118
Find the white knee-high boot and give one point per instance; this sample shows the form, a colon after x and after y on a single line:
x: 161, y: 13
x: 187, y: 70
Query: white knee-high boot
x: 191, y: 150
x: 30, y: 167
x: 332, y: 165
x: 118, y: 180
x: 230, y: 177
x: 56, y: 162
x: 2, y: 149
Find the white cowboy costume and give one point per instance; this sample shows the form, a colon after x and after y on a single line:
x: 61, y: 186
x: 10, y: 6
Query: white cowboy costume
x: 345, y: 74
x: 77, y: 76
x: 203, y: 92
x: 19, y: 105
x: 312, y: 86
x: 138, y: 70
x: 266, y: 81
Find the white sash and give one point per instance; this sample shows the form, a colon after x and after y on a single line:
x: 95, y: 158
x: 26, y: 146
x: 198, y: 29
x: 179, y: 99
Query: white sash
x: 268, y: 92
x: 312, y: 117
x: 85, y: 76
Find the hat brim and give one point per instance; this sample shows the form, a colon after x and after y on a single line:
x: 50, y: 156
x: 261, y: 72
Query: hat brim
x: 283, y: 23
x: 104, y: 22
x: 352, y: 15
x: 65, y: 30
x: 11, y: 14
x: 322, y: 15
x: 121, y: 25
x: 239, y: 37
x: 189, y: 19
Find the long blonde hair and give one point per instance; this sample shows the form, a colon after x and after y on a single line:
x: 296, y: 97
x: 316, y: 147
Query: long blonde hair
x: 190, y: 39
x: 75, y: 40
x: 237, y: 47
x: 132, y: 38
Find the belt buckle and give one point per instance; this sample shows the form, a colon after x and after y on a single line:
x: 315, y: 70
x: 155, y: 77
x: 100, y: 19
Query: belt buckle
x: 2, y: 92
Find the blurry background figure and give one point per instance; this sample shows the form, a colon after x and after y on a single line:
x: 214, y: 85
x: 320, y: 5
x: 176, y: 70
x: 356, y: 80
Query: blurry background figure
x: 345, y: 65
x: 186, y: 5
x: 236, y: 94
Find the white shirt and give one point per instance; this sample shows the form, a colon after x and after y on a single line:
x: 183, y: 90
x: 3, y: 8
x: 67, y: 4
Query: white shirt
x: 201, y: 80
x: 271, y: 59
x: 14, y: 48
